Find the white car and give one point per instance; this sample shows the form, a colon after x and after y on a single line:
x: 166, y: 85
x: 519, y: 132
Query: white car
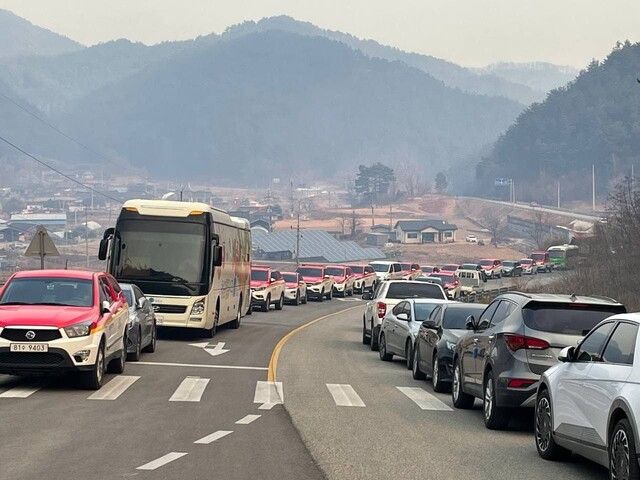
x: 590, y: 403
x: 400, y: 327
x: 471, y: 239
x: 386, y: 296
x: 386, y: 270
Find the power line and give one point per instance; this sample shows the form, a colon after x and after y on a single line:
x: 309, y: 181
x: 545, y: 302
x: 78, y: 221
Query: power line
x: 58, y: 171
x: 57, y: 130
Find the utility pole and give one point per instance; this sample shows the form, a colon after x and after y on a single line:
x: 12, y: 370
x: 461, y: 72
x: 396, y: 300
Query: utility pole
x: 558, y: 194
x: 390, y: 217
x: 86, y: 234
x: 593, y: 187
x: 298, y: 237
x: 372, y: 216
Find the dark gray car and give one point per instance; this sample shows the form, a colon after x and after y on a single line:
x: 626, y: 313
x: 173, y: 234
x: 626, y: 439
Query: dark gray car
x: 516, y: 339
x: 142, y: 331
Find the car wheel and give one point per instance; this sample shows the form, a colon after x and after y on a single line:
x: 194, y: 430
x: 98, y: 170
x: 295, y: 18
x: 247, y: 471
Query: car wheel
x: 94, y: 378
x: 366, y: 339
x: 297, y: 300
x: 330, y: 294
x: 546, y: 445
x: 210, y: 332
x: 154, y: 338
x: 460, y: 398
x: 321, y: 297
x: 235, y: 324
x: 280, y: 303
x: 415, y: 365
x: 495, y: 418
x: 438, y: 385
x: 305, y: 299
x: 622, y: 452
x: 382, y: 349
x: 250, y: 311
x: 374, y: 338
x: 408, y: 354
x: 117, y: 364
x: 135, y: 356
x: 267, y: 303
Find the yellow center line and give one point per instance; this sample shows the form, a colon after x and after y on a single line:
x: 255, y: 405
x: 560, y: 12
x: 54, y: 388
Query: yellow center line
x: 275, y: 355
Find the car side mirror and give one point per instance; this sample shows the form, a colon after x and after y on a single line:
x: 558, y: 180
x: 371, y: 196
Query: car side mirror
x: 106, y: 307
x: 403, y: 316
x: 430, y: 324
x: 366, y: 296
x: 141, y: 302
x: 470, y: 323
x: 566, y: 354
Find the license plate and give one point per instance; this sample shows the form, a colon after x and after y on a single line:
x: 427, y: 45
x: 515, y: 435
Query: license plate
x: 159, y: 320
x: 29, y: 347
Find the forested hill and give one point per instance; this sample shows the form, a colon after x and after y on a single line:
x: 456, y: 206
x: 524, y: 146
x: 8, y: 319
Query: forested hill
x: 279, y: 104
x: 595, y: 120
x: 20, y: 37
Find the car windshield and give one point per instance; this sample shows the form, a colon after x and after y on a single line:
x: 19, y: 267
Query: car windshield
x: 335, y: 271
x: 538, y: 256
x: 128, y: 295
x: 442, y: 276
x: 406, y: 267
x: 455, y: 318
x: 426, y: 269
x: 310, y: 271
x: 357, y: 270
x: 423, y: 310
x: 48, y: 291
x: 526, y: 261
x: 450, y: 268
x: 567, y: 318
x: 469, y: 266
x: 380, y: 267
x: 259, y: 275
x: 486, y: 263
x: 290, y: 277
x: 509, y: 264
x: 403, y: 290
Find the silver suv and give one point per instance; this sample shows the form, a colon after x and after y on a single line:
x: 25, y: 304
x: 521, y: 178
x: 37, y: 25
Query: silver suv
x: 516, y: 339
x: 387, y: 295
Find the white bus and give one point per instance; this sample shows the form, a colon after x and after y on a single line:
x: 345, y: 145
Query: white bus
x: 563, y: 256
x: 191, y: 259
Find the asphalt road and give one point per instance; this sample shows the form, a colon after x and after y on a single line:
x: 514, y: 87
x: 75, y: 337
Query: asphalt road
x: 357, y: 422
x: 155, y: 412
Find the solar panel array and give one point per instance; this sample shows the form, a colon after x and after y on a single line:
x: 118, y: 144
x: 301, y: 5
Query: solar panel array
x: 314, y: 244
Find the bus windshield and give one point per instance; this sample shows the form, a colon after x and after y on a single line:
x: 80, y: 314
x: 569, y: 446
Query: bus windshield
x: 168, y: 256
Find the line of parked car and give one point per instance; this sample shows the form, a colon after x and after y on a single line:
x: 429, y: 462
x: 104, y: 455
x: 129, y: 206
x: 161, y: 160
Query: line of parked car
x: 568, y: 358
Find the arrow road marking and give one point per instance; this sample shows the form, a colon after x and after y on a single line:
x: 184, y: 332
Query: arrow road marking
x: 214, y: 351
x: 268, y: 394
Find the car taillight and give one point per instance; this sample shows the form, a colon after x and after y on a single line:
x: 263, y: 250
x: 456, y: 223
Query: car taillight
x: 382, y: 309
x: 517, y: 342
x: 520, y: 383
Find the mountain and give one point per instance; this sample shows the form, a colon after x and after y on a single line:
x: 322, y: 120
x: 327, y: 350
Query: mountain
x: 51, y: 82
x: 20, y: 37
x: 539, y: 76
x: 453, y: 75
x: 594, y: 120
x: 279, y: 104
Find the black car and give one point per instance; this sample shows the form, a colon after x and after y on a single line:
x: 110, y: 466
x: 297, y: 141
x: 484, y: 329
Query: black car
x: 436, y: 340
x: 142, y: 331
x: 511, y: 268
x: 514, y: 341
x: 477, y: 267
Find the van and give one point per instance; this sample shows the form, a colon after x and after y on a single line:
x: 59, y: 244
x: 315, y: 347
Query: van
x: 470, y: 281
x: 543, y: 260
x: 387, y: 270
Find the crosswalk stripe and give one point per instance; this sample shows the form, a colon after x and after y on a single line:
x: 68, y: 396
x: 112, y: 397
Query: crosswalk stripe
x: 424, y: 400
x: 268, y: 394
x: 248, y: 419
x: 190, y: 390
x: 21, y: 392
x: 114, y: 388
x: 344, y: 395
x: 213, y: 437
x: 159, y: 462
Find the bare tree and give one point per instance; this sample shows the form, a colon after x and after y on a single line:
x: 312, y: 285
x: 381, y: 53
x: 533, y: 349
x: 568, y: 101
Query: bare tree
x: 494, y: 219
x: 354, y: 224
x: 541, y: 229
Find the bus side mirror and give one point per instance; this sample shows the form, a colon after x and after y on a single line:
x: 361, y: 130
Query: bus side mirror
x: 102, y: 251
x: 217, y: 256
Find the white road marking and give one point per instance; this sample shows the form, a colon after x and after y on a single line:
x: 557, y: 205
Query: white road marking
x: 21, y: 392
x: 196, y: 365
x: 213, y: 437
x: 248, y: 419
x: 160, y: 462
x: 424, y: 400
x: 190, y: 390
x: 214, y: 351
x: 344, y: 395
x: 114, y: 388
x: 268, y: 394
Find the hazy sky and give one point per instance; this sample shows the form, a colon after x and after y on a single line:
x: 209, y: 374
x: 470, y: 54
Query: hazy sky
x: 469, y: 32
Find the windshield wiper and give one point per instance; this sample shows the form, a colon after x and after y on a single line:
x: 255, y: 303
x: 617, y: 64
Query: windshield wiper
x: 16, y: 303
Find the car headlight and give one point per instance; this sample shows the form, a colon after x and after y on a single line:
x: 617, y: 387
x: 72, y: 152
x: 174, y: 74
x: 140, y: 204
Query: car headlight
x: 258, y: 289
x: 451, y: 345
x: 198, y: 308
x: 79, y: 330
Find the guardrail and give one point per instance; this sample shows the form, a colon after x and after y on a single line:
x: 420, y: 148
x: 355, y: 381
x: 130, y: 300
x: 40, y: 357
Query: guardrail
x: 485, y: 296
